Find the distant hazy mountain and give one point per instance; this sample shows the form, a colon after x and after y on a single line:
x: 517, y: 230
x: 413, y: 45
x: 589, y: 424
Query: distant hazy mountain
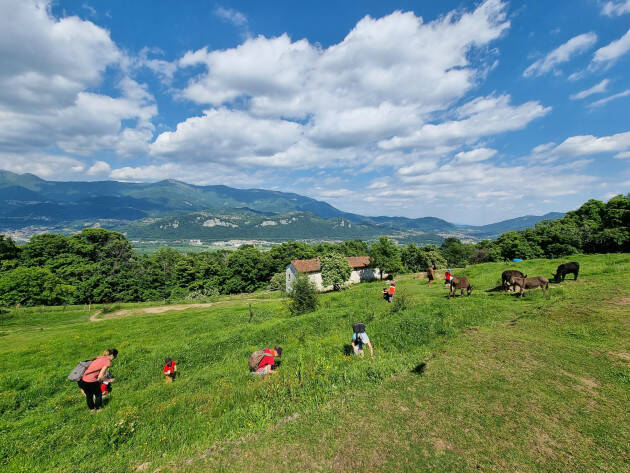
x: 150, y: 210
x: 514, y: 224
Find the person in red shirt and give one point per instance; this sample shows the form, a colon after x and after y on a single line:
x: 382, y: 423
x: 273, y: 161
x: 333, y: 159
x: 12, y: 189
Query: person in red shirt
x: 267, y: 363
x: 447, y: 276
x: 170, y: 370
x: 390, y: 292
x: 90, y: 382
x: 106, y: 386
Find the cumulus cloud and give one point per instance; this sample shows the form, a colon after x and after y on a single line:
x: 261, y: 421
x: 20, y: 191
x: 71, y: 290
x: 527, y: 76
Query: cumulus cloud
x: 596, y: 89
x: 584, y: 145
x: 99, y: 168
x: 49, y: 166
x: 604, y: 101
x: 563, y: 53
x: 612, y: 51
x: 225, y: 135
x: 482, y: 116
x: 276, y: 102
x: 49, y: 64
x: 475, y: 155
x: 616, y: 8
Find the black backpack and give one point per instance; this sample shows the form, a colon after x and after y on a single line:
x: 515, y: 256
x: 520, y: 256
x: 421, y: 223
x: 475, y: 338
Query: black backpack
x: 359, y: 327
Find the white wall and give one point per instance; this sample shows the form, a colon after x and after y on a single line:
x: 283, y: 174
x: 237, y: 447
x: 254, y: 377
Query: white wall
x: 357, y: 276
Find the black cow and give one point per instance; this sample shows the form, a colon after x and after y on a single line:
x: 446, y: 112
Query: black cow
x: 567, y: 268
x: 507, y: 274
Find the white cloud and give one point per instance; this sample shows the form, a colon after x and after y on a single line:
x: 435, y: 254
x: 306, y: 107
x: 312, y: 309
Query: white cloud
x: 99, y: 168
x: 307, y: 106
x: 233, y: 16
x: 480, y: 117
x: 623, y: 155
x: 475, y: 155
x: 48, y: 66
x: 596, y: 89
x: 604, y: 101
x: 563, y: 53
x: 48, y: 166
x: 584, y: 145
x: 223, y: 135
x: 612, y: 51
x: 616, y: 8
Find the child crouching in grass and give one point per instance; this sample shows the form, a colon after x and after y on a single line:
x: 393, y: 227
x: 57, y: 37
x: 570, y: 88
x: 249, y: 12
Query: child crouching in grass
x: 170, y: 370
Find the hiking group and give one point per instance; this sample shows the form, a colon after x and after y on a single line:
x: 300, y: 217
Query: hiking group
x: 95, y: 380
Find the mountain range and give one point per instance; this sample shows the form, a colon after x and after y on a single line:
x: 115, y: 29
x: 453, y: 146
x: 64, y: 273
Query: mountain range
x: 174, y: 210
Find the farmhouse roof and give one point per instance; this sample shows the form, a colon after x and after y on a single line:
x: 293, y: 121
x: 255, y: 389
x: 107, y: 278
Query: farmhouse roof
x: 313, y: 266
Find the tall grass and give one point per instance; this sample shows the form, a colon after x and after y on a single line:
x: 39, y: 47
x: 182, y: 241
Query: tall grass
x: 47, y: 427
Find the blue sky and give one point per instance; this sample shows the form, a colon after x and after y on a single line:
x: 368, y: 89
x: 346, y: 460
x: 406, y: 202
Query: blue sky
x: 470, y: 111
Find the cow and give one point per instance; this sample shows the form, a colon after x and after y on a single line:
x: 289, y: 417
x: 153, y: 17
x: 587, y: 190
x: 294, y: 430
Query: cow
x: 567, y: 268
x: 530, y: 283
x: 459, y: 283
x: 507, y: 274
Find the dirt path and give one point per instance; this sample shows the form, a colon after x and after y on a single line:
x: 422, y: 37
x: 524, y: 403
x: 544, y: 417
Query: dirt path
x: 95, y: 317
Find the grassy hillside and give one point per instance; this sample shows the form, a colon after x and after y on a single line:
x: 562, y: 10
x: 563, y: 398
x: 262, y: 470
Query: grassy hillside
x: 486, y: 383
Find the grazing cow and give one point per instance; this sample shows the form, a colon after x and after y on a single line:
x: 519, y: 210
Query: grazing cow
x: 567, y: 268
x: 507, y: 274
x: 459, y: 283
x: 530, y: 283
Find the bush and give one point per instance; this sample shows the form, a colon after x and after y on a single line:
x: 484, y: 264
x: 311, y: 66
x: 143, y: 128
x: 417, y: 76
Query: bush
x: 401, y: 302
x: 278, y: 282
x: 335, y: 270
x: 303, y: 296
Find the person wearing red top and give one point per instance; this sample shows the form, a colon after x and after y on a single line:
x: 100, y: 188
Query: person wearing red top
x: 106, y: 386
x: 90, y: 382
x: 170, y: 370
x: 267, y: 363
x: 390, y: 292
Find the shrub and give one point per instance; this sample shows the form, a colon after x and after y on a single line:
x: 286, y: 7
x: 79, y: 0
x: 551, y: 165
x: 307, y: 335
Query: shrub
x: 335, y: 270
x: 303, y: 296
x: 401, y: 302
x: 278, y: 282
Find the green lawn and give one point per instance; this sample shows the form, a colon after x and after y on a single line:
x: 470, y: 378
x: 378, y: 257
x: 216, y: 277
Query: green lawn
x: 485, y: 383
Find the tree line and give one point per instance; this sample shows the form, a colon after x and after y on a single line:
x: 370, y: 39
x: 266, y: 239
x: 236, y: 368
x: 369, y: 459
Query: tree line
x: 100, y: 266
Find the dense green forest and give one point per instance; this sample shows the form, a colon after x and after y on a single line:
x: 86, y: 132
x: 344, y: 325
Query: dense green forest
x: 99, y: 266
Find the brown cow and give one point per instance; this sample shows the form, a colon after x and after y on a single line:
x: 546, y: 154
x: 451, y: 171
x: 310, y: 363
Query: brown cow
x: 459, y: 283
x: 530, y: 283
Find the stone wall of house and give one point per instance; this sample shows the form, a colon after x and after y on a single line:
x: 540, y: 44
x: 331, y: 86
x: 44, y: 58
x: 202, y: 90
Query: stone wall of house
x: 357, y: 276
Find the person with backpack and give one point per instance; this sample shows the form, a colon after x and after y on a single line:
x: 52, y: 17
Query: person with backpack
x: 264, y: 361
x: 90, y: 382
x: 447, y: 277
x: 170, y: 370
x: 360, y: 338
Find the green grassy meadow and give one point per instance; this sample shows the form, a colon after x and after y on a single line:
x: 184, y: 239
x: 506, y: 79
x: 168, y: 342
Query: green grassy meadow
x: 485, y: 383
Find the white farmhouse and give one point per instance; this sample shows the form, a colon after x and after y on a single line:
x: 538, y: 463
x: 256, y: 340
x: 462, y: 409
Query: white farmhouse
x: 361, y: 271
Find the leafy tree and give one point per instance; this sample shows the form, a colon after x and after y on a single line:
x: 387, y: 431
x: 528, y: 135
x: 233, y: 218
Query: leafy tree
x: 281, y: 255
x: 335, y: 270
x: 455, y: 252
x: 32, y: 286
x: 384, y: 255
x: 247, y: 270
x: 515, y: 245
x: 303, y: 296
x: 418, y: 259
x: 8, y: 250
x: 353, y: 248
